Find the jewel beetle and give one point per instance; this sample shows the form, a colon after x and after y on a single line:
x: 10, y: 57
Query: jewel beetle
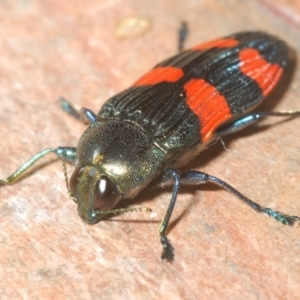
x: 143, y: 134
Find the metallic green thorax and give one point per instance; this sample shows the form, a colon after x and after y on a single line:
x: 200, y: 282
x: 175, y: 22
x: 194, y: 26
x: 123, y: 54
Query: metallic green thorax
x: 123, y: 152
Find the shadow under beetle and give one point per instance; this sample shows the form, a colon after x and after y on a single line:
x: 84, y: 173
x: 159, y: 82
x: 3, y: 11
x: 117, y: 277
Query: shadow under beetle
x: 166, y: 118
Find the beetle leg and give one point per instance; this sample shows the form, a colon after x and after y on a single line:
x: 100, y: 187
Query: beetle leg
x: 86, y: 116
x: 65, y: 153
x: 172, y: 176
x: 195, y: 177
x: 182, y: 36
x: 250, y: 119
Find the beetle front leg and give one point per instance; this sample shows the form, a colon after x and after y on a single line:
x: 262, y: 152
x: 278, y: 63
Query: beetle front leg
x: 172, y: 176
x: 65, y: 153
x: 85, y: 116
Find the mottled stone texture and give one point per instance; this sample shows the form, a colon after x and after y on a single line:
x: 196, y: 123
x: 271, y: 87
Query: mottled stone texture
x: 224, y: 250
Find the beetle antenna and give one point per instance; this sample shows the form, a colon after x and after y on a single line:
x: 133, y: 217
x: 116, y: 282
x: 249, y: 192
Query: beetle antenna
x: 124, y: 210
x: 67, y: 180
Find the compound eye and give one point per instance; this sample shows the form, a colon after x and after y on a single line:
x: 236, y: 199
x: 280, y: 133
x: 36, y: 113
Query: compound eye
x: 74, y: 180
x: 106, y: 194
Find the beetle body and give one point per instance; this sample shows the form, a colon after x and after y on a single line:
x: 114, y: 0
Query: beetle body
x: 166, y: 118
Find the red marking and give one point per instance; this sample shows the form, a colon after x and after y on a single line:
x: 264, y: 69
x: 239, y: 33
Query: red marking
x: 208, y: 104
x: 256, y: 67
x: 160, y: 74
x: 219, y: 43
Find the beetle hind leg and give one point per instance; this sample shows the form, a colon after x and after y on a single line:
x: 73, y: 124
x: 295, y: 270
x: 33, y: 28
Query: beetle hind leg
x: 250, y: 119
x: 280, y: 217
x: 182, y: 35
x: 195, y: 177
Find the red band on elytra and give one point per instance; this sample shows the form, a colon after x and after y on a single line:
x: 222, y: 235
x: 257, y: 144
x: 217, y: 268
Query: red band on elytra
x: 219, y: 43
x: 256, y: 67
x: 160, y: 74
x: 208, y: 105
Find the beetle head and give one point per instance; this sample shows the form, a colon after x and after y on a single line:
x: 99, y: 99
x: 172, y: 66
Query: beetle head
x: 96, y: 192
